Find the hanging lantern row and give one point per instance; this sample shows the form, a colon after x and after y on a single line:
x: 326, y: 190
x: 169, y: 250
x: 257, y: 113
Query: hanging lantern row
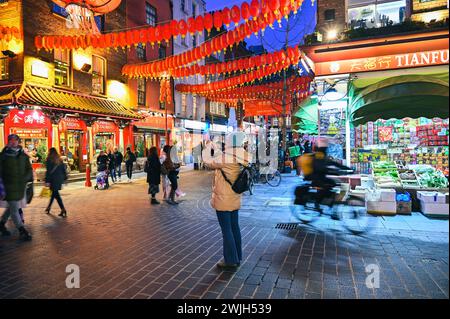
x: 247, y: 78
x: 9, y: 33
x: 165, y: 32
x: 234, y: 66
x: 163, y: 67
x: 270, y: 92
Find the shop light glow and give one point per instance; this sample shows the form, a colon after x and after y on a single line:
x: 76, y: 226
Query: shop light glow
x: 117, y: 90
x: 332, y: 34
x: 79, y: 60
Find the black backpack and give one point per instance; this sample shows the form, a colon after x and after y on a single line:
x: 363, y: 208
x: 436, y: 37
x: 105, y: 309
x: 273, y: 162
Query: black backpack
x: 241, y: 184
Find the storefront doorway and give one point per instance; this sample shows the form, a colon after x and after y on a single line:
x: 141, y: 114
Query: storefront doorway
x: 71, y: 148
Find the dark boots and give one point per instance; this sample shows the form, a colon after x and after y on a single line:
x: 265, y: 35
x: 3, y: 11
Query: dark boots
x: 171, y: 199
x: 24, y: 234
x: 3, y: 230
x: 154, y: 201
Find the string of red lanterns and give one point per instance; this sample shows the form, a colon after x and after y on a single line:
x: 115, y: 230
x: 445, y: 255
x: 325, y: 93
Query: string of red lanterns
x: 247, y: 78
x: 256, y: 11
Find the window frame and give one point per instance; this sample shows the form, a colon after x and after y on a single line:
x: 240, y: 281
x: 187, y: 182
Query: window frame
x: 141, y: 52
x: 5, y: 62
x: 149, y: 15
x: 59, y: 64
x: 162, y: 47
x: 103, y: 76
x: 141, y: 94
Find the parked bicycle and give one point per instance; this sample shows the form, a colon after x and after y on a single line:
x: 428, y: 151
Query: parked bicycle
x: 343, y: 205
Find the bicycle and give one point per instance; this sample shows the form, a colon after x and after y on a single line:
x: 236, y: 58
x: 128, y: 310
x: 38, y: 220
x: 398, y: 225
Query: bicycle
x: 343, y: 206
x: 272, y: 176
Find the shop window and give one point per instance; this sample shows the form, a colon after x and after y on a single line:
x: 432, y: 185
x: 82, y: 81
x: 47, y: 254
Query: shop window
x: 62, y: 67
x: 162, y: 52
x: 98, y: 74
x: 140, y: 52
x: 330, y: 14
x: 194, y: 41
x: 141, y: 91
x: 4, y: 69
x: 150, y: 14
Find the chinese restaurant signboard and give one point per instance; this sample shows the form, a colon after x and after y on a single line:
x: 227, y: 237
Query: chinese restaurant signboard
x: 386, y: 62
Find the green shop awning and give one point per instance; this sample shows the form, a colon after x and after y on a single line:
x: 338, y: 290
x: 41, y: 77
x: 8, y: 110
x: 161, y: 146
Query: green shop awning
x: 398, y: 97
x: 308, y: 117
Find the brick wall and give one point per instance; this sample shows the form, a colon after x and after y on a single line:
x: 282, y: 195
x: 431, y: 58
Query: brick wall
x: 340, y: 7
x: 10, y: 16
x: 39, y: 20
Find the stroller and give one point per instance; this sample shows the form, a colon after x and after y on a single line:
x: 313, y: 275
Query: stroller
x: 102, y: 179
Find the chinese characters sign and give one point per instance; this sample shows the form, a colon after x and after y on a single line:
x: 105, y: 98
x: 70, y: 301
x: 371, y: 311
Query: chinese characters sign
x: 29, y: 133
x: 386, y: 62
x: 27, y: 118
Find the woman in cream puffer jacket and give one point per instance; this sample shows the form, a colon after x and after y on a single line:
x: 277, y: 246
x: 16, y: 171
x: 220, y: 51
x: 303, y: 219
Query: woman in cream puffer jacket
x: 224, y: 200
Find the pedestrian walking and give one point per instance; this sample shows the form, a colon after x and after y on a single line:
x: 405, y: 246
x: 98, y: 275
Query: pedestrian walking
x: 118, y: 159
x: 165, y: 180
x: 55, y: 176
x: 102, y: 166
x: 225, y: 201
x: 111, y: 166
x: 171, y: 168
x: 130, y: 158
x: 153, y: 170
x: 15, y: 173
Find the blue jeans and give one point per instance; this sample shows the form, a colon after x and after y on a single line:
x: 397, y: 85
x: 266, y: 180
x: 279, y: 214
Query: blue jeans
x: 117, y: 171
x: 231, y: 233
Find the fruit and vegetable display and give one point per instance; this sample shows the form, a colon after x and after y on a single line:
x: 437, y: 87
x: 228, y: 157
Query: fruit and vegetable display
x: 386, y: 174
x: 429, y: 177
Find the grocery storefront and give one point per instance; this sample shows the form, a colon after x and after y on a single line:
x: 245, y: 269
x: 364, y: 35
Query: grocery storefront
x: 396, y: 121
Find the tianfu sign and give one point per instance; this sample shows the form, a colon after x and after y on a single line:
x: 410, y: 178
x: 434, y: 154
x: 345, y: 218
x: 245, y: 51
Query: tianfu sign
x: 386, y: 62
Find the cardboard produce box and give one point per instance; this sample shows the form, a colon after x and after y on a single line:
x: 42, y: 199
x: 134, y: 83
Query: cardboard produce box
x: 404, y: 208
x: 434, y: 209
x: 381, y: 208
x: 432, y: 197
x: 388, y: 195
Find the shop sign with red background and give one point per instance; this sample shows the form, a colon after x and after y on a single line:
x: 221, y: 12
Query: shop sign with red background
x: 156, y: 122
x: 104, y: 127
x: 28, y: 123
x: 71, y: 123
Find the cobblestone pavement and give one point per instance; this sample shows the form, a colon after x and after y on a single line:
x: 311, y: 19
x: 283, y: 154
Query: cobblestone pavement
x: 126, y: 248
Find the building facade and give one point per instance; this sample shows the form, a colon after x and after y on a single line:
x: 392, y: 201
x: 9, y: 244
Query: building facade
x: 74, y: 100
x: 154, y: 130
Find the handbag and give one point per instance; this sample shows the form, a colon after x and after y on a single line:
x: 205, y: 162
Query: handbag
x: 29, y: 192
x: 46, y: 192
x: 164, y: 170
x: 241, y: 184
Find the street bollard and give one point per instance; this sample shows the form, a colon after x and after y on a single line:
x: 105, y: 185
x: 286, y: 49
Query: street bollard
x: 88, y: 176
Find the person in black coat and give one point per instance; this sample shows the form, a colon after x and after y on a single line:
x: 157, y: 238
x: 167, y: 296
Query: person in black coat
x: 111, y: 165
x: 54, y: 178
x: 153, y: 169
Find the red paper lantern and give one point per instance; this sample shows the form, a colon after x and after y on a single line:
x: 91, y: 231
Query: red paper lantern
x: 129, y: 36
x: 208, y: 48
x: 122, y: 39
x: 245, y: 11
x: 136, y: 36
x: 226, y: 16
x: 208, y: 21
x: 37, y: 42
x: 235, y: 14
x: 174, y: 28
x: 265, y: 9
x: 218, y: 22
x: 199, y: 24
x: 191, y: 25
x: 151, y: 36
x: 254, y: 9
x: 108, y: 40
x: 158, y: 34
x: 167, y: 32
x: 182, y: 28
x: 274, y: 5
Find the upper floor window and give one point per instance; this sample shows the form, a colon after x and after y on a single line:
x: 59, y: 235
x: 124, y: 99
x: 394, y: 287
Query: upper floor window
x: 162, y: 52
x: 141, y: 90
x: 329, y: 14
x: 150, y: 14
x: 374, y: 14
x: 140, y: 52
x: 183, y: 5
x: 194, y: 9
x: 98, y: 74
x: 4, y: 69
x: 62, y: 67
x: 194, y: 41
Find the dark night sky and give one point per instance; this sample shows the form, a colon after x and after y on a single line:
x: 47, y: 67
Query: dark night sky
x: 300, y: 25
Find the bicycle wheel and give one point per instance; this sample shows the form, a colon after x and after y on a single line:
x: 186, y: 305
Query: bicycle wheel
x: 305, y: 214
x: 273, y: 179
x: 354, y: 216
